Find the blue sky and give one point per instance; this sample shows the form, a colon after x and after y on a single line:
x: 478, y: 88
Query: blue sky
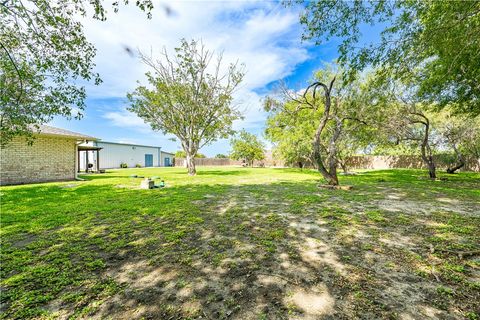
x: 263, y: 35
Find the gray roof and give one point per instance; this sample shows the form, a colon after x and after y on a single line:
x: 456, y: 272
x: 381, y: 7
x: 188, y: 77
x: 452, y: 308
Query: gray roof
x: 128, y: 144
x: 49, y: 130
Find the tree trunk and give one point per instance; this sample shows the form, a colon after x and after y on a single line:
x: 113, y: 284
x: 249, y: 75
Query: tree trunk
x: 461, y: 161
x: 452, y: 170
x: 329, y: 174
x: 427, y: 155
x: 431, y: 169
x: 190, y: 165
x: 343, y: 165
x: 332, y: 179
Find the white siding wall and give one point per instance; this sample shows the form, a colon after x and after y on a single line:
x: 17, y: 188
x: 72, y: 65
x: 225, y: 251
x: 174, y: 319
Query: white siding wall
x: 166, y: 155
x: 113, y: 154
x: 92, y: 158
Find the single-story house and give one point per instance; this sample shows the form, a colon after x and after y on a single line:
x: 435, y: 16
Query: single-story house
x: 114, y: 154
x: 51, y: 157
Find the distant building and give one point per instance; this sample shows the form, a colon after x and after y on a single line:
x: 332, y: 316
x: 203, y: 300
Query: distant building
x: 51, y: 157
x: 113, y: 155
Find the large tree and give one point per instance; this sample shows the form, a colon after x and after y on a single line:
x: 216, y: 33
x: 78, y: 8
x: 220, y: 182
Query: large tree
x: 246, y: 146
x: 44, y: 57
x: 190, y: 96
x: 401, y: 119
x: 291, y: 133
x: 436, y: 41
x: 333, y: 108
x: 461, y: 136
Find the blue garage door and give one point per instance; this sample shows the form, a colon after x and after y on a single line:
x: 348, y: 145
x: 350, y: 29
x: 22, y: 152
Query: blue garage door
x: 167, y: 162
x: 148, y: 160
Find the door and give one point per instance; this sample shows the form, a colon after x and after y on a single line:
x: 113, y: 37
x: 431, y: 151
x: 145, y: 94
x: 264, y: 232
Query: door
x: 167, y: 162
x: 148, y: 160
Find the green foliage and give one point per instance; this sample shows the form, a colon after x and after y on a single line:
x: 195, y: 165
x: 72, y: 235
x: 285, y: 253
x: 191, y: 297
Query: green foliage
x: 123, y: 165
x: 459, y: 134
x: 295, y: 118
x: 182, y: 154
x: 188, y: 97
x: 434, y: 44
x: 247, y: 146
x: 44, y: 56
x: 292, y: 134
x: 221, y: 156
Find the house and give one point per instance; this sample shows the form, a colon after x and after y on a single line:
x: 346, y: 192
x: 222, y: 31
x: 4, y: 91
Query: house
x: 114, y: 154
x: 51, y: 157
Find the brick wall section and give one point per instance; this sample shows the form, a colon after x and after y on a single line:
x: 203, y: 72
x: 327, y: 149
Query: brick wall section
x: 50, y: 158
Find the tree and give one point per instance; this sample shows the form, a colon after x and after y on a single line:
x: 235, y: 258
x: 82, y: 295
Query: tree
x: 220, y: 156
x: 436, y: 41
x: 291, y: 134
x: 336, y: 114
x: 400, y: 118
x: 413, y: 124
x: 247, y: 146
x: 44, y: 56
x: 189, y: 97
x: 182, y: 154
x: 461, y: 135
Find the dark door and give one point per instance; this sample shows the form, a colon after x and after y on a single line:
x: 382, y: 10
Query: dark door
x: 148, y: 160
x: 167, y: 162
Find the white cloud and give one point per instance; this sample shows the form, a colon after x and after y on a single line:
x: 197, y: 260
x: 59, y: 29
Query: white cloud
x: 126, y: 119
x: 263, y: 35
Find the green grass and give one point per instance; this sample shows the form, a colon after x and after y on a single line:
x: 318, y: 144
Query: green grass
x: 200, y: 247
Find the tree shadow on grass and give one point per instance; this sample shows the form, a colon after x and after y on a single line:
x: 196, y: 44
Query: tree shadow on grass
x: 101, y: 176
x: 275, y: 250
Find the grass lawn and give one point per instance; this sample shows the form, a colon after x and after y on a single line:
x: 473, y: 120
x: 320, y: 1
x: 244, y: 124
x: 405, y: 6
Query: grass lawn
x: 242, y: 243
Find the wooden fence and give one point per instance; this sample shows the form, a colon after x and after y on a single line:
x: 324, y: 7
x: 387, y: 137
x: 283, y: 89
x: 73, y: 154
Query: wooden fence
x: 355, y: 162
x: 180, y: 162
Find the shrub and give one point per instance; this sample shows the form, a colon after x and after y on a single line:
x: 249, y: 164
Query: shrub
x: 123, y: 165
x: 138, y: 165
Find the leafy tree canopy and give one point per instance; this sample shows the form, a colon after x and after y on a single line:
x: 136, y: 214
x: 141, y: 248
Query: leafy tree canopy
x: 330, y: 113
x: 292, y: 134
x: 247, y: 146
x: 44, y: 56
x: 189, y: 96
x: 434, y: 44
x: 221, y: 156
x: 182, y: 154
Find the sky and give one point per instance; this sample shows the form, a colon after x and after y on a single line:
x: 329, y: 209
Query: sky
x: 265, y: 36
